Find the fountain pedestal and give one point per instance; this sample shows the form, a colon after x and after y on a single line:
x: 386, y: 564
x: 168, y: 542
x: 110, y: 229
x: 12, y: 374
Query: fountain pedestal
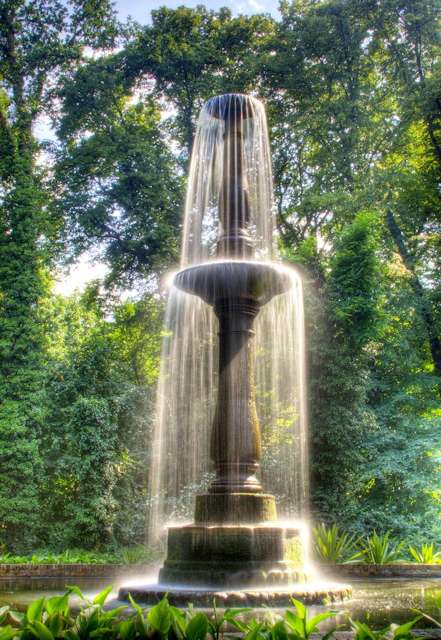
x: 235, y: 541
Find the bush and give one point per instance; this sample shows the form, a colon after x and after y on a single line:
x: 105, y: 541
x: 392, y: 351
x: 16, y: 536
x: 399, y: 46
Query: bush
x: 425, y: 555
x: 332, y: 546
x: 124, y: 555
x: 380, y: 549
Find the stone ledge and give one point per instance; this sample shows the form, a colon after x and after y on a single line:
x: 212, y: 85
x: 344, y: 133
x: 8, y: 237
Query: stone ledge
x: 71, y: 570
x: 263, y: 597
x: 392, y: 570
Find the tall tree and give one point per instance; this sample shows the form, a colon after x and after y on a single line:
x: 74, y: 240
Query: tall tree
x: 37, y: 39
x: 352, y: 90
x: 193, y: 54
x: 342, y: 312
x: 406, y: 36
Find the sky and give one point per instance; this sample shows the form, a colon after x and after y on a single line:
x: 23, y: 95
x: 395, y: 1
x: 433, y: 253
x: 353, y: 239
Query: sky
x: 140, y: 10
x: 88, y: 268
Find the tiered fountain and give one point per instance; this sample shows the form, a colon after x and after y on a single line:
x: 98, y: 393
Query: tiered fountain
x: 235, y: 549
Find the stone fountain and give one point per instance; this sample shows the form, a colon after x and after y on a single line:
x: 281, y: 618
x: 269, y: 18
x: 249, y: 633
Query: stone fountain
x: 235, y: 550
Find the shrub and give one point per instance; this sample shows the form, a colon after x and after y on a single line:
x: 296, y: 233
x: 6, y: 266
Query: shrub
x: 330, y: 545
x: 425, y: 555
x: 380, y: 549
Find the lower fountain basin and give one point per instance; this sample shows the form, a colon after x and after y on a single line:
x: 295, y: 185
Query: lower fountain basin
x: 230, y: 556
x: 213, y: 281
x: 309, y: 594
x: 235, y: 565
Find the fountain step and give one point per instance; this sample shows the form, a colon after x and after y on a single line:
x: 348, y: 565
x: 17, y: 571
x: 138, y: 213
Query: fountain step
x: 231, y: 555
x: 228, y: 543
x: 252, y: 597
x: 235, y: 508
x: 231, y: 575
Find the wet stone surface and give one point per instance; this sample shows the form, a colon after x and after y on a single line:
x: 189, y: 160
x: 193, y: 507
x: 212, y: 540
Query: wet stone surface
x: 247, y: 597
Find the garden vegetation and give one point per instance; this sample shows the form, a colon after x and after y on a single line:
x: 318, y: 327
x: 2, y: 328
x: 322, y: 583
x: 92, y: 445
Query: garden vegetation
x: 53, y: 618
x: 353, y: 96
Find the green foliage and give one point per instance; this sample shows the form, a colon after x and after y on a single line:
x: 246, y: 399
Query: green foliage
x: 355, y: 280
x: 330, y: 545
x: 138, y: 555
x: 53, y: 618
x: 98, y: 397
x: 352, y: 95
x: 380, y: 549
x: 338, y: 374
x: 300, y: 625
x: 425, y: 555
x: 124, y: 555
x: 37, y: 41
x: 333, y: 546
x: 362, y: 631
x: 123, y: 190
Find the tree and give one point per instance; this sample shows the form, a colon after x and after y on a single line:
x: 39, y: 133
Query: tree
x: 122, y: 190
x: 37, y: 39
x: 194, y: 54
x: 352, y: 95
x: 407, y: 38
x: 357, y: 126
x: 342, y: 318
x: 353, y: 91
x: 97, y: 429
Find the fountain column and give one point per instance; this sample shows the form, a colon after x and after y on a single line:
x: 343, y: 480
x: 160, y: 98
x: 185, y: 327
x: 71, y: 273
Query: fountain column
x: 235, y: 445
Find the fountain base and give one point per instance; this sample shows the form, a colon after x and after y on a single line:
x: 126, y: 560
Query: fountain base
x: 235, y: 565
x: 309, y: 594
x: 230, y: 556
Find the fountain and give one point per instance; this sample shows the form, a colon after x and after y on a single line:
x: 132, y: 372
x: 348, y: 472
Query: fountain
x: 235, y: 549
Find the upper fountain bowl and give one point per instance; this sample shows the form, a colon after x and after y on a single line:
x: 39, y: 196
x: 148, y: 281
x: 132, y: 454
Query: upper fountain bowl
x: 223, y: 280
x: 231, y: 106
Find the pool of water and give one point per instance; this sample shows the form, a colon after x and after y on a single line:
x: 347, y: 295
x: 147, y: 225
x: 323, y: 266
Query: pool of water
x: 376, y: 600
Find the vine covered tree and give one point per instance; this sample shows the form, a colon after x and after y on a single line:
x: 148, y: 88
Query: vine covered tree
x: 38, y: 40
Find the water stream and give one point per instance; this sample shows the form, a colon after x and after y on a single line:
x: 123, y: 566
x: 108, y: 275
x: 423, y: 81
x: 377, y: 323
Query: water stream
x: 187, y: 389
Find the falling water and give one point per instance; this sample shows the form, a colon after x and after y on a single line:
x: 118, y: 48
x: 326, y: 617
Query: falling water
x: 186, y: 402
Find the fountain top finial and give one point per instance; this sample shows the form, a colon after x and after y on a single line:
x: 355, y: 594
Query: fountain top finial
x: 231, y: 107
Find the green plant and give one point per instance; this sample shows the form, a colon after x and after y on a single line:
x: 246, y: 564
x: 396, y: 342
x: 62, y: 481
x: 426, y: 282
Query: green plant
x: 125, y: 555
x: 330, y: 545
x: 380, y: 549
x: 392, y: 632
x: 300, y: 626
x: 137, y: 555
x: 53, y: 619
x: 425, y: 555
